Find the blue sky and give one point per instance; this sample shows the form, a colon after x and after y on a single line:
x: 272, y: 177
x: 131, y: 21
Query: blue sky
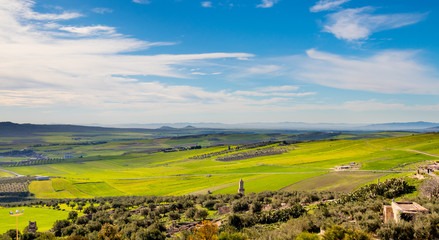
x: 230, y: 61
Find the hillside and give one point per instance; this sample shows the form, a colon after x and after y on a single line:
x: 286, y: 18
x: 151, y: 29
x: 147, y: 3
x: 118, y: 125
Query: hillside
x: 126, y: 168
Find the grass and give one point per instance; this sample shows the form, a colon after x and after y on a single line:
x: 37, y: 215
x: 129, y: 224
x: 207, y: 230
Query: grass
x: 98, y: 189
x: 45, y: 218
x: 336, y: 181
x: 272, y: 182
x: 5, y: 174
x: 304, y: 167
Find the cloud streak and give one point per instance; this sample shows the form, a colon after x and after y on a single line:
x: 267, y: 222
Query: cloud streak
x: 326, y: 5
x: 359, y: 23
x: 267, y: 3
x: 206, y: 4
x: 50, y: 64
x: 389, y: 72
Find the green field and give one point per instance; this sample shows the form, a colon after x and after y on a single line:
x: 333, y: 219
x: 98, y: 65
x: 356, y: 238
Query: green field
x: 124, y: 168
x: 44, y: 217
x: 336, y: 181
x: 5, y: 174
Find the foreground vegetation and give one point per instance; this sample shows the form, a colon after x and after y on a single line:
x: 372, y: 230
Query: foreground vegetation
x: 265, y: 215
x: 102, y: 187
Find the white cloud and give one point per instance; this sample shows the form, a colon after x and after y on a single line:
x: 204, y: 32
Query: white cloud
x: 53, y: 65
x: 263, y: 69
x: 206, y: 4
x: 279, y: 88
x: 24, y: 10
x: 267, y: 3
x: 360, y: 23
x: 142, y: 1
x: 266, y: 94
x: 277, y: 91
x: 326, y: 5
x: 102, y: 10
x: 385, y: 72
x: 90, y: 30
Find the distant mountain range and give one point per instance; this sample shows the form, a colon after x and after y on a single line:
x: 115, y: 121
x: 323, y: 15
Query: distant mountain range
x: 14, y: 129
x: 401, y: 126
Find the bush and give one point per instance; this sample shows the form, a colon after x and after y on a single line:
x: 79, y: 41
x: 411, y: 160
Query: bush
x: 59, y: 225
x: 109, y: 232
x: 209, y: 204
x: 201, y: 214
x: 239, y: 206
x: 256, y: 207
x: 73, y: 216
x: 207, y: 230
x: 174, y: 216
x: 236, y: 221
x: 190, y: 213
x: 396, y: 231
x: 231, y: 236
x: 336, y: 232
x: 307, y: 236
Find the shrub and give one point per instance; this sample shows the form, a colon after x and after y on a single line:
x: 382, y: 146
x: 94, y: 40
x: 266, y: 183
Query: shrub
x: 190, y: 213
x: 201, y: 214
x: 307, y: 236
x: 239, y: 206
x: 256, y: 207
x: 209, y: 204
x: 207, y: 230
x: 109, y: 232
x: 174, y: 216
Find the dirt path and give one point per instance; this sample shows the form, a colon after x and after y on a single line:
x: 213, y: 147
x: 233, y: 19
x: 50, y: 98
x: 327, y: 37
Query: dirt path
x: 428, y: 154
x: 11, y: 172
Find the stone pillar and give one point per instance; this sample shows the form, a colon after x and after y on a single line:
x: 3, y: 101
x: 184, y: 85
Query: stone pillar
x: 241, y: 187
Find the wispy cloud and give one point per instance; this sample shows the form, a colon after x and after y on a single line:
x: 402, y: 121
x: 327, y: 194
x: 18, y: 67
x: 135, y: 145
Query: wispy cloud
x: 263, y: 69
x: 102, y: 10
x: 142, y: 1
x: 360, y: 23
x: 206, y: 4
x: 23, y: 8
x: 384, y: 72
x: 88, y: 66
x: 278, y: 91
x: 326, y: 5
x: 89, y: 30
x: 284, y: 88
x: 267, y: 3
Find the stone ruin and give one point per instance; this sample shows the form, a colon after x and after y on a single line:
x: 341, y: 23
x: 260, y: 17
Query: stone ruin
x: 32, y: 227
x: 224, y: 210
x: 402, y: 210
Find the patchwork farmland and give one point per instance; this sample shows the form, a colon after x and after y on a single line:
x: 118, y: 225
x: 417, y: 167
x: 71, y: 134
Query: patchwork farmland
x: 215, y: 163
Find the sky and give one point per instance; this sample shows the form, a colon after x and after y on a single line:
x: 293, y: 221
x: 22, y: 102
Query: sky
x: 222, y: 61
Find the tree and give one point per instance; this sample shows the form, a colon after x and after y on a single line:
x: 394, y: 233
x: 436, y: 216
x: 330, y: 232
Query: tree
x: 236, y: 221
x: 430, y: 187
x: 201, y: 214
x: 207, y: 230
x: 174, y: 216
x: 109, y: 232
x: 73, y: 216
x: 336, y: 232
x: 256, y: 207
x: 190, y: 213
x: 59, y: 225
x: 12, y: 233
